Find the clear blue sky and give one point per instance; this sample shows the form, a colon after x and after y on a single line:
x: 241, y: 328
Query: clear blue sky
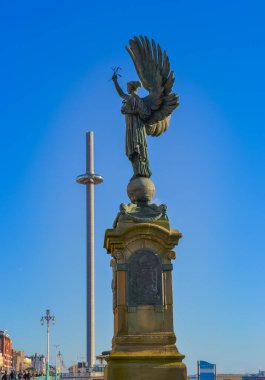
x: 56, y: 59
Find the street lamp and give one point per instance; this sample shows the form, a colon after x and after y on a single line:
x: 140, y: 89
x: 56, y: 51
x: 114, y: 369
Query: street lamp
x: 48, y: 317
x: 60, y: 363
x: 56, y: 360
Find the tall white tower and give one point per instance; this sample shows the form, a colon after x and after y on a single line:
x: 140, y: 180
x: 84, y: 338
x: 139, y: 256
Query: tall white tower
x: 90, y: 179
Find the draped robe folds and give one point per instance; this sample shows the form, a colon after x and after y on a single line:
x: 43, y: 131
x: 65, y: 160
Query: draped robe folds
x: 136, y: 113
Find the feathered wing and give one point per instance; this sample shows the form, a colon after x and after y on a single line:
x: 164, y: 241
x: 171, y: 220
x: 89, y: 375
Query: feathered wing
x: 153, y: 69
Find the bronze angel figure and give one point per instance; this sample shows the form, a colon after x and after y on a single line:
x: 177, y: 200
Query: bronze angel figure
x: 151, y: 114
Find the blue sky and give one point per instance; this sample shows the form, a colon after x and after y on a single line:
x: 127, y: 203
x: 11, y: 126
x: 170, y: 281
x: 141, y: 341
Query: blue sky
x: 56, y: 59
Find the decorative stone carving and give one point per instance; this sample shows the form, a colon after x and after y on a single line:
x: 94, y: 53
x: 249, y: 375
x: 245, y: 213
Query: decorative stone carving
x: 114, y: 283
x: 118, y: 254
x: 144, y: 214
x: 171, y: 255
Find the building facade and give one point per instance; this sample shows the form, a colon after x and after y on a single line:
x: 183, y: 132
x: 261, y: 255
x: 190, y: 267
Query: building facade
x: 38, y: 362
x: 27, y: 363
x: 82, y: 372
x: 1, y: 361
x: 257, y: 376
x: 6, y: 350
x: 231, y: 376
x: 18, y: 360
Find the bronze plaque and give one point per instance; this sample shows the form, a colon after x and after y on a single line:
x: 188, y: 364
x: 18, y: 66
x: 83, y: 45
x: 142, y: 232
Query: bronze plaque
x: 144, y: 279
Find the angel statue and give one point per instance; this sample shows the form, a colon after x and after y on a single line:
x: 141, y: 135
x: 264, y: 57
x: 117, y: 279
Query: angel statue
x: 151, y: 114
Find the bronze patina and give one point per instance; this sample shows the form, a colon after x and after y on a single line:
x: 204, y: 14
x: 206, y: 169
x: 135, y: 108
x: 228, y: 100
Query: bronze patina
x: 151, y: 114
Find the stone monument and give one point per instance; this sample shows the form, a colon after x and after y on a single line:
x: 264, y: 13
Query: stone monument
x: 141, y: 241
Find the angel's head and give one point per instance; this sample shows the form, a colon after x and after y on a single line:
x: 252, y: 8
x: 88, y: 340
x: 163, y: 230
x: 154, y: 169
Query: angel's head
x: 133, y: 86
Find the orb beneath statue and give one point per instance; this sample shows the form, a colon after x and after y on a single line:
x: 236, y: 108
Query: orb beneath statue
x: 141, y: 190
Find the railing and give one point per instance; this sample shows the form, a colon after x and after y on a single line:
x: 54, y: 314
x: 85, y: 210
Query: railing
x: 84, y: 376
x: 58, y: 377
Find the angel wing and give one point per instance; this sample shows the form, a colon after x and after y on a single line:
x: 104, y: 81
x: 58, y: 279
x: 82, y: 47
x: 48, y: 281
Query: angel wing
x: 153, y: 69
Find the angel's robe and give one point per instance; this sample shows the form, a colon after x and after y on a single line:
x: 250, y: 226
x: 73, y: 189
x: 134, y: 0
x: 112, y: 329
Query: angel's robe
x: 136, y: 113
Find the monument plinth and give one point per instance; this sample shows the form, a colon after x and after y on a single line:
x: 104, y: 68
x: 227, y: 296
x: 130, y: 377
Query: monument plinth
x: 143, y: 345
x: 141, y: 241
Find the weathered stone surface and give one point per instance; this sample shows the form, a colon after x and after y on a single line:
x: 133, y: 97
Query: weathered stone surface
x: 144, y: 342
x: 149, y: 366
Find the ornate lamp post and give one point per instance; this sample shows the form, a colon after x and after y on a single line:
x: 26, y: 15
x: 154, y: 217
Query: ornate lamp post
x: 48, y: 317
x: 56, y: 360
x: 60, y: 361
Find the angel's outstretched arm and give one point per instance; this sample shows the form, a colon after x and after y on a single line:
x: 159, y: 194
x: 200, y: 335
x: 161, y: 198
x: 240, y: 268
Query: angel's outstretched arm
x: 118, y: 88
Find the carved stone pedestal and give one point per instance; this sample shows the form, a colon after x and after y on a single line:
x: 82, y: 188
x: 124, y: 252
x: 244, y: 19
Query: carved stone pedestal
x: 143, y: 346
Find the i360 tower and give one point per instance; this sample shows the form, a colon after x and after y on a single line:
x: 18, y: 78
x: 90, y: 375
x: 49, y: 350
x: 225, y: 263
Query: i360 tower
x: 89, y: 179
